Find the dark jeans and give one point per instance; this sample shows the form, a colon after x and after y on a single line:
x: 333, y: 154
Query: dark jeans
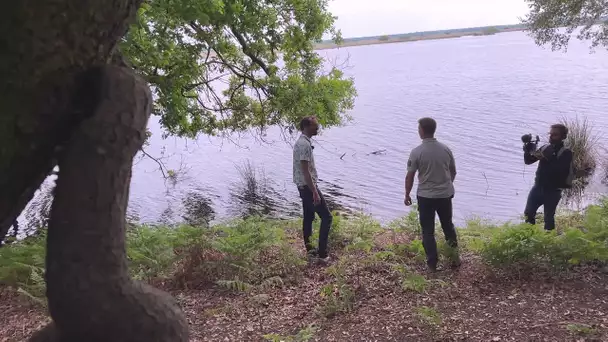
x: 549, y: 199
x: 309, y: 210
x: 427, y: 207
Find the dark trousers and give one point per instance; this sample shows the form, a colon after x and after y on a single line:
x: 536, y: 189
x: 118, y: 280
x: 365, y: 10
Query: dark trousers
x: 309, y: 210
x: 549, y: 199
x: 427, y: 207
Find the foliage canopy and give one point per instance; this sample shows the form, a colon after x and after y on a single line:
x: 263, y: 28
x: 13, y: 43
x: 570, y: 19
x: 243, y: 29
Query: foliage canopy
x: 555, y: 21
x: 220, y: 66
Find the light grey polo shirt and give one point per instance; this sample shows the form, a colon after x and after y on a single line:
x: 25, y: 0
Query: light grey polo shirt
x: 434, y: 163
x: 302, y: 150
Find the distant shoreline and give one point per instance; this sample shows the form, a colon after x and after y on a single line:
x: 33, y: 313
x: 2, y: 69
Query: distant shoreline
x: 413, y: 37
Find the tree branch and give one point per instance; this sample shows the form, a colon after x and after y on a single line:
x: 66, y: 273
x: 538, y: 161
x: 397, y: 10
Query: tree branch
x: 161, y: 165
x: 248, y: 52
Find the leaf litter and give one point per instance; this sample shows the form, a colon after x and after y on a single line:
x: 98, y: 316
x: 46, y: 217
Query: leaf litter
x: 467, y: 304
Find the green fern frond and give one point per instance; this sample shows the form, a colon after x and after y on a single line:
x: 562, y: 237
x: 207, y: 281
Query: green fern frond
x: 272, y: 282
x: 234, y: 285
x: 35, y: 299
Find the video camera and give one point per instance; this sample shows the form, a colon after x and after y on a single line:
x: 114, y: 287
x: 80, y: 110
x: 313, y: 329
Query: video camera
x: 529, y: 144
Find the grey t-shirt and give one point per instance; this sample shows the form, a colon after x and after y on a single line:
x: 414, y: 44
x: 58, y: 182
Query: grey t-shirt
x: 435, y: 164
x: 302, y: 150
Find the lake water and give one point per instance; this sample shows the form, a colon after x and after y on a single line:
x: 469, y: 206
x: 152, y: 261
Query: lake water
x: 485, y: 92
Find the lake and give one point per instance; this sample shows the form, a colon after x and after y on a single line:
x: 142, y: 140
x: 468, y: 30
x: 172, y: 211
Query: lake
x: 484, y: 92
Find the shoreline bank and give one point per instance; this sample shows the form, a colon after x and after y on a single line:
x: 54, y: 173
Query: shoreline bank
x: 412, y: 38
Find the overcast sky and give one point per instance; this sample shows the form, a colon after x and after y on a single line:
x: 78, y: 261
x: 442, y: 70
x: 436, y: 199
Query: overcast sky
x: 357, y: 18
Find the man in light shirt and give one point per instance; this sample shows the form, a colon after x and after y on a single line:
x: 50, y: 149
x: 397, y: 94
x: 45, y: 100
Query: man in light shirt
x: 436, y: 169
x: 305, y: 178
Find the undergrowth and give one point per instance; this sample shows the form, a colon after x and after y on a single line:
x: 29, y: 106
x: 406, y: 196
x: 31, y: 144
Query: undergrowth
x: 519, y: 247
x: 254, y: 256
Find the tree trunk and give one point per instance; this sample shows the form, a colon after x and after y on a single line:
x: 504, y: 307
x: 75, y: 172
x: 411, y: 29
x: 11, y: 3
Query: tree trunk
x: 46, y: 44
x: 58, y: 95
x: 91, y: 296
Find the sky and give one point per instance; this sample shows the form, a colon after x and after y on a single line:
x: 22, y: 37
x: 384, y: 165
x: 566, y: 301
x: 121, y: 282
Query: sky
x: 359, y: 18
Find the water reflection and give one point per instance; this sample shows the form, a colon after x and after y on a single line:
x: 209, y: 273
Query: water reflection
x: 166, y: 217
x: 255, y: 194
x: 336, y: 197
x: 198, y: 209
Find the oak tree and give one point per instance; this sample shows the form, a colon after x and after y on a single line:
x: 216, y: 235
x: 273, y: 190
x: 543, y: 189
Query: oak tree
x: 215, y: 67
x: 554, y: 22
x: 219, y: 66
x: 69, y: 98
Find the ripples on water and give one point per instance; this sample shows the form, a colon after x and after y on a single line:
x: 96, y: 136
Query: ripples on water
x: 485, y: 92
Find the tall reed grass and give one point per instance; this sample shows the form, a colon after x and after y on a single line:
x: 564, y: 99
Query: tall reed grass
x: 585, y: 145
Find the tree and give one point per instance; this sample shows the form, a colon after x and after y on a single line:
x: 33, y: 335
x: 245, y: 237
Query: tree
x: 68, y: 98
x: 490, y: 31
x: 47, y: 46
x: 555, y: 21
x: 260, y: 53
x: 60, y: 102
x: 90, y: 294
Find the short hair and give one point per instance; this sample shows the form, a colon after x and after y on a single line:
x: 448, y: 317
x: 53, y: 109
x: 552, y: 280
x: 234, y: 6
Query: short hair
x: 428, y: 125
x: 562, y: 128
x: 306, y: 121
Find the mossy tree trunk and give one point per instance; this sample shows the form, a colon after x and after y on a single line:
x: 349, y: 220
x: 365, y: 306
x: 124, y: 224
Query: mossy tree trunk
x: 62, y: 103
x: 91, y: 296
x: 46, y: 45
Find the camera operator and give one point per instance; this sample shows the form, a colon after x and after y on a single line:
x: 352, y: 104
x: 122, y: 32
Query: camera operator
x: 554, y: 173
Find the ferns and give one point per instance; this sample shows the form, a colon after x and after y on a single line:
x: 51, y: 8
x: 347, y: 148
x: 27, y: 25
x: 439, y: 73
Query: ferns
x: 152, y: 250
x: 22, y: 266
x: 272, y: 282
x: 255, y: 255
x: 241, y: 286
x: 414, y: 282
x: 527, y: 246
x: 235, y: 285
x: 303, y: 335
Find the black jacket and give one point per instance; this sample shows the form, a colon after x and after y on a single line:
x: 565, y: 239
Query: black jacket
x: 552, y: 171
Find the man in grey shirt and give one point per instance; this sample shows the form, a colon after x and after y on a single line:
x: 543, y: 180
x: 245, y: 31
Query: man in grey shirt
x: 305, y: 178
x: 436, y: 169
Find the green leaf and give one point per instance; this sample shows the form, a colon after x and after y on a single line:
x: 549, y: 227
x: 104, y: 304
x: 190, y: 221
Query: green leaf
x: 214, y: 65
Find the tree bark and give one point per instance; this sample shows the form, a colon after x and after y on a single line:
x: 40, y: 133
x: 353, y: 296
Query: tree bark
x: 46, y: 45
x: 91, y: 296
x: 61, y: 103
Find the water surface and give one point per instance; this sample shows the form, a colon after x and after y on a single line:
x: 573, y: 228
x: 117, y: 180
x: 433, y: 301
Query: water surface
x: 485, y: 92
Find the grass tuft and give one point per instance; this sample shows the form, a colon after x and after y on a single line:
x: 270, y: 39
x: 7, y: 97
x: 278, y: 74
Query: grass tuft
x: 585, y: 145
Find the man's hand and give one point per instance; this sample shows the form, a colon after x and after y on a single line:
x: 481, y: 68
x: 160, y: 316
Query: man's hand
x: 545, y: 153
x: 409, y: 183
x: 408, y: 200
x: 316, y: 199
